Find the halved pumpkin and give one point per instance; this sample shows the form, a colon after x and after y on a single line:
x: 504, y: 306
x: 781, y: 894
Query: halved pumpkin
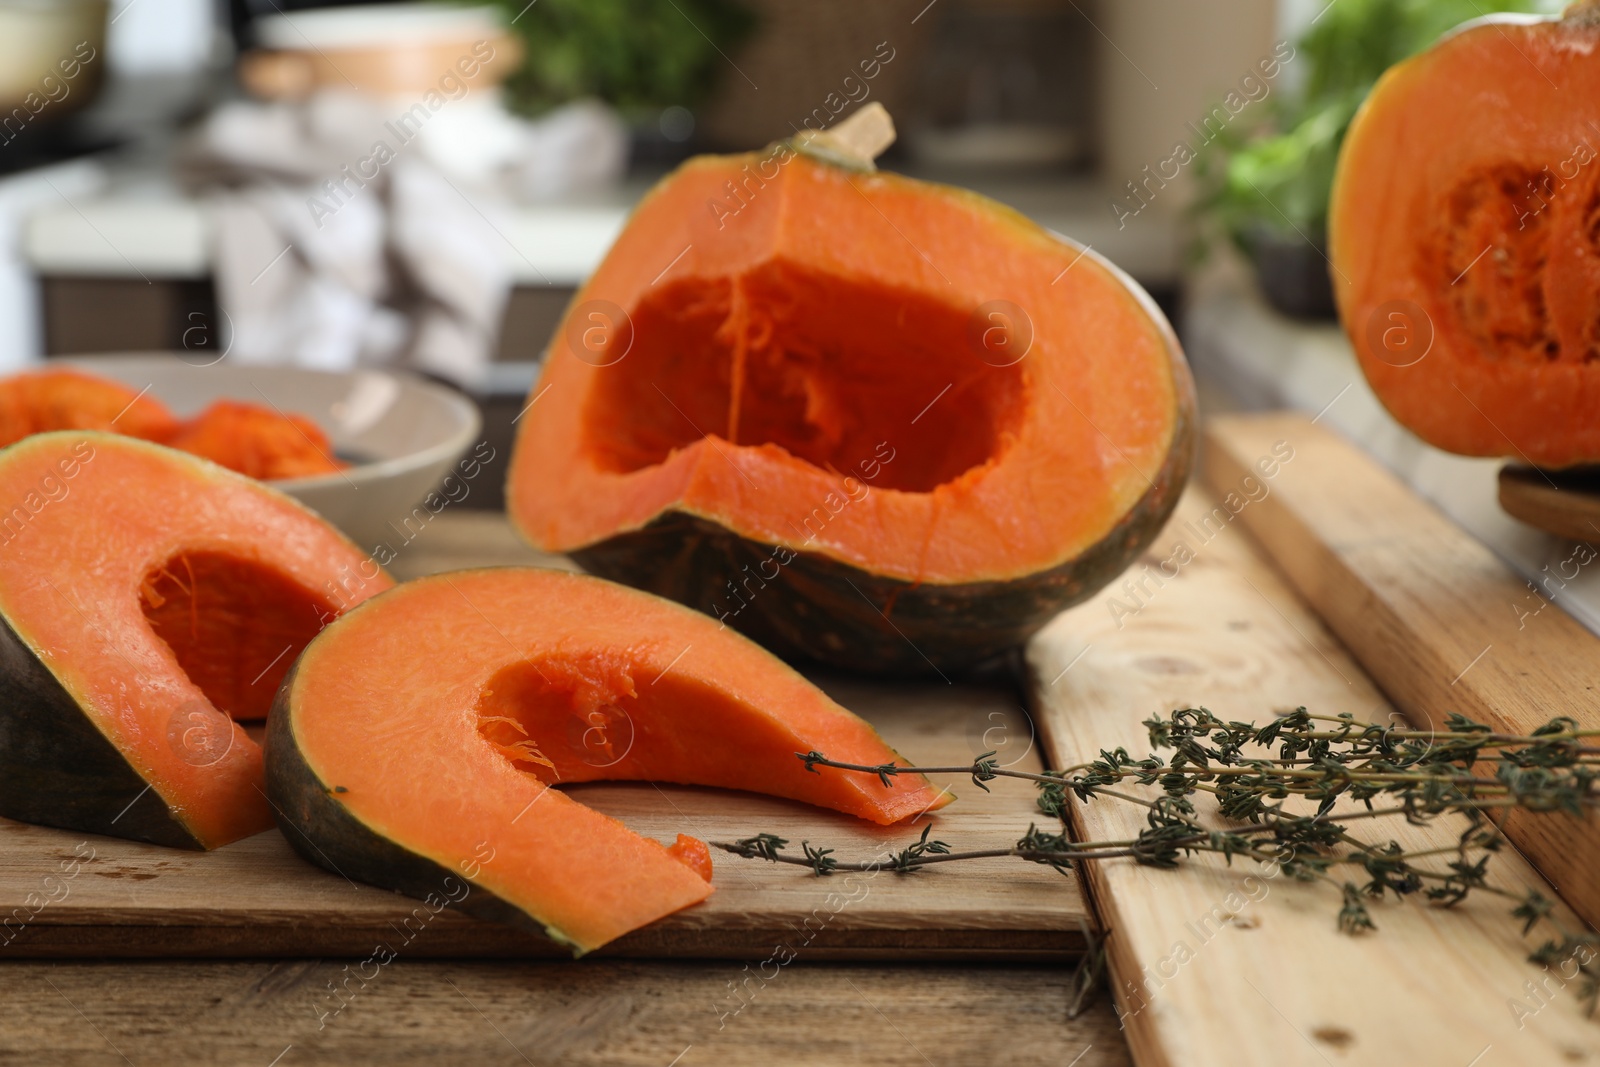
x: 145, y: 597
x: 417, y: 740
x: 870, y: 421
x: 1465, y: 239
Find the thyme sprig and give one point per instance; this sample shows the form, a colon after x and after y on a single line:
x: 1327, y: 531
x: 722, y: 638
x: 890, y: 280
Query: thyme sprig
x: 1253, y: 773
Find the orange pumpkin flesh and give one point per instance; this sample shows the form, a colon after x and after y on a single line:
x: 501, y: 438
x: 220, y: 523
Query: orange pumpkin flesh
x: 899, y: 379
x: 257, y: 441
x: 234, y: 625
x: 1465, y: 240
x: 61, y: 399
x: 145, y: 596
x: 693, y: 853
x: 421, y: 732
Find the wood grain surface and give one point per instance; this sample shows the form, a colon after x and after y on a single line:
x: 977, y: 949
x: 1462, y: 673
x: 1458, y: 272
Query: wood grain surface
x: 1565, y: 503
x: 256, y: 898
x: 1439, y: 623
x: 593, y: 1012
x: 1213, y: 965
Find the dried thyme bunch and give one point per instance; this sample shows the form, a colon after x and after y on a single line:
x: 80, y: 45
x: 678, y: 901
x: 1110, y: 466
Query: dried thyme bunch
x: 1465, y: 769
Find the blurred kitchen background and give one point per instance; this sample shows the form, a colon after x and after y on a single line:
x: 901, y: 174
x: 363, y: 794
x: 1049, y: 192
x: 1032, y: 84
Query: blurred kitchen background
x: 204, y: 176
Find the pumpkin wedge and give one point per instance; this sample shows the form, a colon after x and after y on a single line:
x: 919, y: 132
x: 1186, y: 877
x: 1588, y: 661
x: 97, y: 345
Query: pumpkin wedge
x: 146, y: 596
x: 1465, y: 239
x: 416, y: 743
x: 874, y: 422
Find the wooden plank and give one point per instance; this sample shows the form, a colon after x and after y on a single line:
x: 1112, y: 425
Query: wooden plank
x: 257, y: 898
x: 1213, y: 965
x: 1565, y: 503
x: 1434, y: 617
x: 594, y: 1012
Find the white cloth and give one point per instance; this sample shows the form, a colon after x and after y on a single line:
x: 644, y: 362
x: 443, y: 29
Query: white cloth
x: 351, y: 230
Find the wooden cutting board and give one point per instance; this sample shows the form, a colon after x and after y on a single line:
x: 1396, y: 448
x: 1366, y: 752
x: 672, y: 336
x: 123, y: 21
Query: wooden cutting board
x: 256, y: 898
x: 1436, y: 619
x: 1218, y: 966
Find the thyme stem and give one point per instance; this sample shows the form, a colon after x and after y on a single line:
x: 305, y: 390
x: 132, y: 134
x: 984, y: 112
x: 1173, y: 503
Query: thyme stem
x: 1464, y: 770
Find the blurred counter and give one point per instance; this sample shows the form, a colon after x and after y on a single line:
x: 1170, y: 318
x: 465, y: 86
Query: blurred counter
x: 144, y: 226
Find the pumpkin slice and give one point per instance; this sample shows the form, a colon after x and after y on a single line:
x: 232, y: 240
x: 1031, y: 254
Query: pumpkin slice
x: 145, y: 597
x: 415, y: 744
x: 870, y: 421
x: 1465, y: 239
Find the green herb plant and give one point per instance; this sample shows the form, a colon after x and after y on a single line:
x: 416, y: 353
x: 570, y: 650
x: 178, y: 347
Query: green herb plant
x: 1312, y: 762
x: 637, y: 55
x: 1276, y: 174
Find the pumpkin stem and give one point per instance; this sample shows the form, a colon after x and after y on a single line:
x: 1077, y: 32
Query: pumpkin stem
x: 855, y: 142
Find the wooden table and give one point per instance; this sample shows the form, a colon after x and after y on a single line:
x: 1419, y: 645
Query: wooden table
x: 272, y: 1013
x: 261, y: 1014
x: 1397, y: 605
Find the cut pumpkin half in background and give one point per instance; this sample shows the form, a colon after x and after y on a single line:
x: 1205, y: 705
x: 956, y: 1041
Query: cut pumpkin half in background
x: 417, y: 741
x: 869, y: 421
x: 1464, y: 234
x: 148, y: 599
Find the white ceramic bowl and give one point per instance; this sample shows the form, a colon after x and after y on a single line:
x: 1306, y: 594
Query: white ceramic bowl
x: 400, y: 434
